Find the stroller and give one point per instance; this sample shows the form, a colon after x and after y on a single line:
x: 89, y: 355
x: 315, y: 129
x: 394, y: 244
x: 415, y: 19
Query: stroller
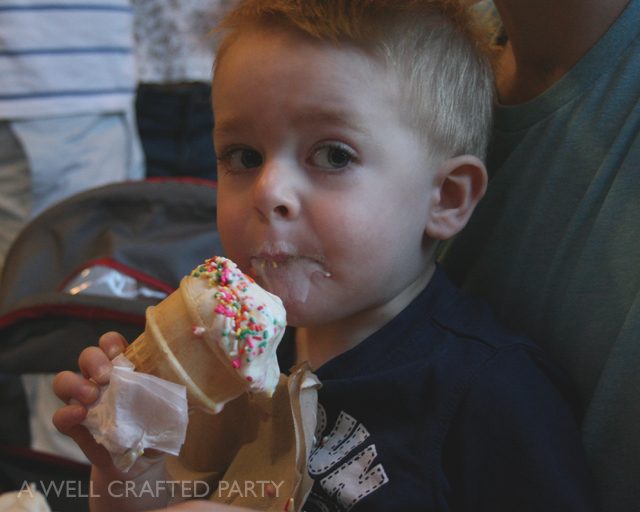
x: 88, y: 265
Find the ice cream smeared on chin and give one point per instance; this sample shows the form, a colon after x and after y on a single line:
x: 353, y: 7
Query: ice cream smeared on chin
x: 248, y: 321
x: 288, y: 276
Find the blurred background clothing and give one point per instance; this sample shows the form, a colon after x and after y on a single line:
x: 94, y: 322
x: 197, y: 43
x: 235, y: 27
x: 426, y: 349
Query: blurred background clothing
x: 67, y: 121
x: 175, y: 51
x: 15, y: 188
x: 175, y: 124
x: 174, y: 40
x: 62, y: 58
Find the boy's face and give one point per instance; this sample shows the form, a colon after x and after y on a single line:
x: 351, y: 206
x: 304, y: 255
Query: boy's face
x: 324, y: 191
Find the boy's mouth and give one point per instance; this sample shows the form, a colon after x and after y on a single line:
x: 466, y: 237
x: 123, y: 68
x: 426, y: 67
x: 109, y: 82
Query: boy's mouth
x: 287, y: 274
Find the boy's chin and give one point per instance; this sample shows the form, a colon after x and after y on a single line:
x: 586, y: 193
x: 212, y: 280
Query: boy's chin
x: 298, y: 314
x: 306, y: 315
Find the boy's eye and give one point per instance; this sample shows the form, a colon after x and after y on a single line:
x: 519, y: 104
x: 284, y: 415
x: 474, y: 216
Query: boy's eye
x: 240, y: 159
x: 332, y: 156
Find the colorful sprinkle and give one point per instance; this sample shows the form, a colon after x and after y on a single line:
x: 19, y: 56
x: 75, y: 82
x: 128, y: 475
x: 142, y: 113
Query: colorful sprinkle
x: 244, y: 335
x: 198, y: 330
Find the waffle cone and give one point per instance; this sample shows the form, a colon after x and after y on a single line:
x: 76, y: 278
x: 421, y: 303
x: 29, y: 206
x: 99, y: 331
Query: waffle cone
x: 168, y: 348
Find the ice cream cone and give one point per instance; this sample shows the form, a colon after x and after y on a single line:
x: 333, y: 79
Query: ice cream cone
x: 205, y: 336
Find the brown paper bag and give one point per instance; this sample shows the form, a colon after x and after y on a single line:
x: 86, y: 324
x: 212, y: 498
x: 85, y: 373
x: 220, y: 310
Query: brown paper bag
x: 254, y: 453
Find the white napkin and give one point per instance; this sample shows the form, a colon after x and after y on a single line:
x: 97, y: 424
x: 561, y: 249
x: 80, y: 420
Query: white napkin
x: 137, y: 411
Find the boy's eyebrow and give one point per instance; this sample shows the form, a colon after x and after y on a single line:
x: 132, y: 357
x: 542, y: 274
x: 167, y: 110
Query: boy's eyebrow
x: 332, y: 117
x: 228, y: 125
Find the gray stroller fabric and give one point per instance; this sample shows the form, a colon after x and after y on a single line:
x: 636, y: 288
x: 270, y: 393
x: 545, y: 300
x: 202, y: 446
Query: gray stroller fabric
x: 150, y: 233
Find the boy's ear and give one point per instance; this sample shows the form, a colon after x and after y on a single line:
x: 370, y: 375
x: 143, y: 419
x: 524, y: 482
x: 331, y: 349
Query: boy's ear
x: 461, y: 182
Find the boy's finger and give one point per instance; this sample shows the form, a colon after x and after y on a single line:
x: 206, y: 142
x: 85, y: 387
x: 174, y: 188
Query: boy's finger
x: 68, y: 417
x: 113, y: 344
x: 94, y: 364
x: 67, y: 421
x: 70, y: 386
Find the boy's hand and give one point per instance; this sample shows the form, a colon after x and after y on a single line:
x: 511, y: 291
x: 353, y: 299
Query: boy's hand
x: 78, y: 392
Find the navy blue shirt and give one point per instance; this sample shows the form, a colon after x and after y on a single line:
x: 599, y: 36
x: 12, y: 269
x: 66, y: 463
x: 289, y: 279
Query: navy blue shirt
x: 443, y: 410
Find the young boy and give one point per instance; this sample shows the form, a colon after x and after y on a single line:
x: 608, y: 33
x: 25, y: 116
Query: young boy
x: 350, y: 138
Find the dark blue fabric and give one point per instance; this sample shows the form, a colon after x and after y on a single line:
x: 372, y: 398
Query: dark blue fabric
x: 175, y: 126
x: 443, y: 410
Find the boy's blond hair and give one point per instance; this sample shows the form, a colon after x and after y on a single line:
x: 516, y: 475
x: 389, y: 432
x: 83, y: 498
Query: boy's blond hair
x: 433, y: 46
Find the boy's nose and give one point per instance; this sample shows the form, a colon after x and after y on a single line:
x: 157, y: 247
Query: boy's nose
x: 275, y: 193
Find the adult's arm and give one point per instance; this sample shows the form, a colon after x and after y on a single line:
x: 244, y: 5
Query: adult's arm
x: 546, y: 38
